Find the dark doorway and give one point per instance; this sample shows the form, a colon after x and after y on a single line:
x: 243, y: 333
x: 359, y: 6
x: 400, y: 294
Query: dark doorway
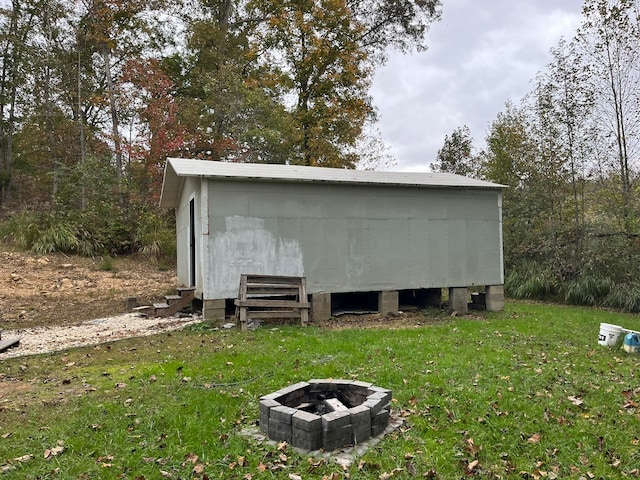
x: 192, y: 242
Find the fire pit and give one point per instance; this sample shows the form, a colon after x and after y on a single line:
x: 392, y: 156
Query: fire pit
x: 326, y: 414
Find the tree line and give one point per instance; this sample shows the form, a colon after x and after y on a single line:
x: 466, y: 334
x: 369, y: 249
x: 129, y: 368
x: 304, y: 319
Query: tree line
x: 95, y: 94
x: 569, y: 156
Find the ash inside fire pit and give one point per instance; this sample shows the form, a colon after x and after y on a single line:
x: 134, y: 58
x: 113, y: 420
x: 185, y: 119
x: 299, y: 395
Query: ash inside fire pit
x: 326, y: 414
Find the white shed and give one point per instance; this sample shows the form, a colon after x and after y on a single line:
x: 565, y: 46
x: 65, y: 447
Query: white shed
x: 380, y: 239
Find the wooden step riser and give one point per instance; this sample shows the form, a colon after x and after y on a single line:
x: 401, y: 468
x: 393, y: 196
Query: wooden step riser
x: 173, y: 305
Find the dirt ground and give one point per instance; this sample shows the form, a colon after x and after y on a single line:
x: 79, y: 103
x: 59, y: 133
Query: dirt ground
x: 55, y: 290
x: 60, y: 290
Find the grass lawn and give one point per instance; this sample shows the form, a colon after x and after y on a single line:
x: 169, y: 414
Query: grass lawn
x: 525, y: 393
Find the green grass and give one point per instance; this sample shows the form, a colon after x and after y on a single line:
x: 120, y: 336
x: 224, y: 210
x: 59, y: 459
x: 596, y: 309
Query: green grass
x: 526, y: 393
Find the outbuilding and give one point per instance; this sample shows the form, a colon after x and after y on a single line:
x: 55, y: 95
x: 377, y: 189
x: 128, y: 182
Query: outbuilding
x: 362, y: 239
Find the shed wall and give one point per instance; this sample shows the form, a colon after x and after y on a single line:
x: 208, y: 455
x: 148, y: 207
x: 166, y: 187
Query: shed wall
x: 191, y: 190
x: 347, y: 238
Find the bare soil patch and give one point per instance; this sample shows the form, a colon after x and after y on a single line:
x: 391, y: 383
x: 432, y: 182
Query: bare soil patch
x: 57, y: 290
x: 55, y: 302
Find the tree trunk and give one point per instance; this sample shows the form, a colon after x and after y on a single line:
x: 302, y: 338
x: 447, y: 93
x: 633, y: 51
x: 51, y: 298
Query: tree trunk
x: 115, y: 129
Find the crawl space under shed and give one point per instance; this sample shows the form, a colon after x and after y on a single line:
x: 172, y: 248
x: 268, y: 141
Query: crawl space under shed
x: 364, y: 240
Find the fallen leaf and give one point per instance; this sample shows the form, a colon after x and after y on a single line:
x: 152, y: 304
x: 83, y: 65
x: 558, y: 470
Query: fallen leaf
x: 535, y: 438
x: 472, y: 448
x: 198, y: 469
x: 575, y: 400
x: 191, y: 457
x: 473, y: 466
x: 282, y: 446
x: 52, y: 452
x: 261, y: 467
x: 294, y: 476
x: 7, y: 435
x: 23, y: 458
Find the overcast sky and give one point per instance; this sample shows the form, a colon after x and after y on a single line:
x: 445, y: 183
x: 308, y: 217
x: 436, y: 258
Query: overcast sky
x: 481, y: 54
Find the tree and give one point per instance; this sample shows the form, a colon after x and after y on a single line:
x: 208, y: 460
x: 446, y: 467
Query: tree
x: 561, y: 108
x: 159, y: 131
x: 456, y: 155
x: 230, y: 104
x: 326, y: 51
x: 609, y: 39
x: 16, y: 27
x: 510, y: 159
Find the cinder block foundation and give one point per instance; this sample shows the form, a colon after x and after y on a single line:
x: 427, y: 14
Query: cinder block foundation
x: 458, y: 299
x: 321, y: 306
x: 388, y: 301
x: 494, y: 298
x: 213, y: 309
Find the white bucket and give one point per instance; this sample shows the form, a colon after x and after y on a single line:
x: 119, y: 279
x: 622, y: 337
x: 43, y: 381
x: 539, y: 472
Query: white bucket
x: 609, y: 334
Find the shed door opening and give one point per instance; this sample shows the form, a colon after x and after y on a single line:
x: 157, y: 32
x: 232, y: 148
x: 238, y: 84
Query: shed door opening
x: 192, y: 242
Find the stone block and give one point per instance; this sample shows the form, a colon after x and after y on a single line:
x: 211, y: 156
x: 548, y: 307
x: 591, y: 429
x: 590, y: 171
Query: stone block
x: 270, y: 396
x: 381, y: 418
x: 335, y: 420
x: 265, y: 408
x: 359, y: 413
x: 323, y: 385
x: 279, y: 431
x: 337, y: 438
x: 494, y: 298
x: 213, y: 309
x: 360, y: 434
x: 361, y: 384
x: 308, y: 444
x: 292, y: 394
x: 381, y: 395
x: 377, y: 430
x: 308, y: 422
x: 458, y: 299
x: 282, y: 414
x: 388, y: 301
x: 342, y: 384
x: 321, y: 306
x: 374, y: 405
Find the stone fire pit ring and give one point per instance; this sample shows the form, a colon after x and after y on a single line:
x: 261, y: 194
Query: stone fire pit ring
x: 325, y: 413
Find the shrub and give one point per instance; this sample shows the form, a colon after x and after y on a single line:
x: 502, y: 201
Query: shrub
x: 155, y: 237
x: 530, y: 280
x: 42, y: 232
x: 625, y: 296
x: 588, y: 290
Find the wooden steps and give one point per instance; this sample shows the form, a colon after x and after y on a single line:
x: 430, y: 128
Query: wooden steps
x: 268, y: 297
x: 174, y: 303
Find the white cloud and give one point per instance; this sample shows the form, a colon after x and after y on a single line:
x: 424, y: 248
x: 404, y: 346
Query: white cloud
x: 480, y: 55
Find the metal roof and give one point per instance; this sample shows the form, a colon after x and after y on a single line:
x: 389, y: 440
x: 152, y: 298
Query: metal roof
x: 178, y: 168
